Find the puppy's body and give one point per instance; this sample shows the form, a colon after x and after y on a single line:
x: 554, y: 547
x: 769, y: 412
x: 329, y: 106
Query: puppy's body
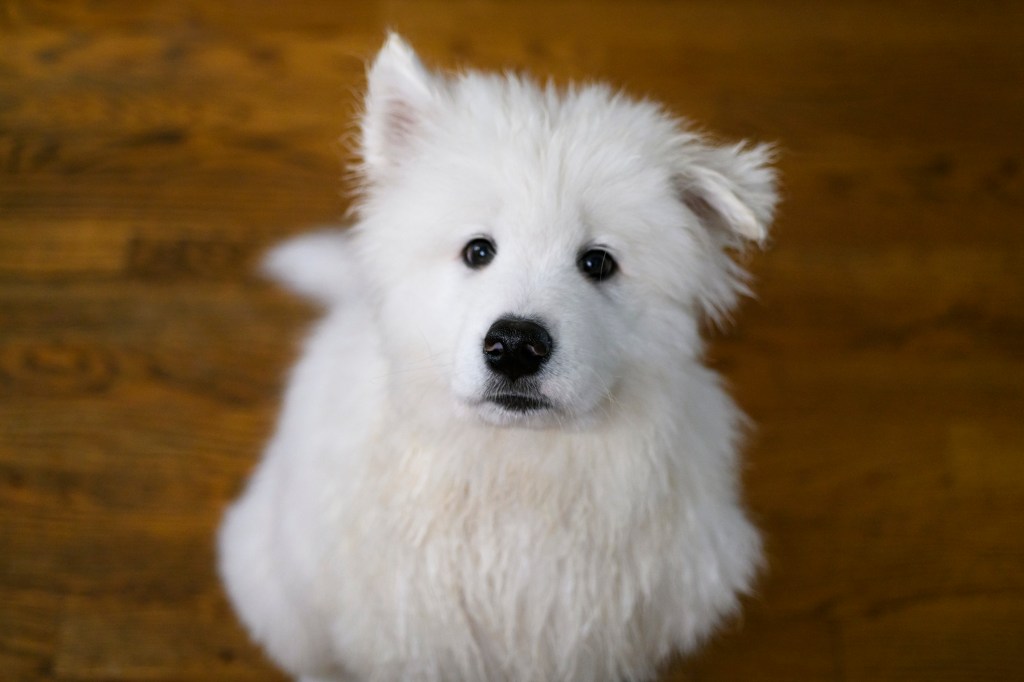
x: 426, y: 511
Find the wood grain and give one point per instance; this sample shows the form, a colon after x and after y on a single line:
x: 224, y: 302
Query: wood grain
x: 150, y: 151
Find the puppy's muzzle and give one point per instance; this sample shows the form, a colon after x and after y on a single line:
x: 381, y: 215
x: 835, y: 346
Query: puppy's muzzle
x: 517, y: 347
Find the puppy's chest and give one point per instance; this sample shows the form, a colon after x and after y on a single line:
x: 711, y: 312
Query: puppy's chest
x: 499, y: 568
x: 498, y: 556
x: 497, y: 530
x: 488, y: 511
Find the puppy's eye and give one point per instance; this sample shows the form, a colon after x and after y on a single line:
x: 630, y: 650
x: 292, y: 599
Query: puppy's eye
x: 597, y: 264
x: 479, y: 253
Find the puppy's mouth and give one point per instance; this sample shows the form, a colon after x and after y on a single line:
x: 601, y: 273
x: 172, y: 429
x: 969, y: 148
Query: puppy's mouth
x: 519, y: 402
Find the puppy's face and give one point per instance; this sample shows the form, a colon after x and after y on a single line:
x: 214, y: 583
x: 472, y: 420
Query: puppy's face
x: 533, y: 253
x: 520, y: 311
x: 542, y: 337
x: 528, y: 316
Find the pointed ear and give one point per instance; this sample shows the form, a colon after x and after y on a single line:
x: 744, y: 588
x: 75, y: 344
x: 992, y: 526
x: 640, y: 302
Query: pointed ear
x: 730, y: 189
x: 400, y: 95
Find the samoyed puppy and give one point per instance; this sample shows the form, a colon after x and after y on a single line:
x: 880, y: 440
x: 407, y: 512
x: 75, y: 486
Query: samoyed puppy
x: 500, y: 456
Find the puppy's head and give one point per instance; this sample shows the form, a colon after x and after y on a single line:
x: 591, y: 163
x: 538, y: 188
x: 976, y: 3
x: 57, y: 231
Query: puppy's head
x: 534, y: 254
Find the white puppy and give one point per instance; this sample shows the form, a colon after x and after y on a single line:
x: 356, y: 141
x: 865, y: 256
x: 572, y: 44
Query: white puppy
x: 500, y: 457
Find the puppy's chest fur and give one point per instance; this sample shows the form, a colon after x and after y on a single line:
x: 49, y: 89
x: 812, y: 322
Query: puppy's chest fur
x: 503, y: 551
x: 501, y: 504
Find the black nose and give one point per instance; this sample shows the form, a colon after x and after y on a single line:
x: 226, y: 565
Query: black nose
x: 516, y: 347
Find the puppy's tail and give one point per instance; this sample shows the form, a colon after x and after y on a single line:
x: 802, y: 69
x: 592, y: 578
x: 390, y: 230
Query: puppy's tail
x: 318, y: 266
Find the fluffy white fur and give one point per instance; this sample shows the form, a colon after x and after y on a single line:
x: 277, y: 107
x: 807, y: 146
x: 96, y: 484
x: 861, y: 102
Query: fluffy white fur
x: 400, y: 526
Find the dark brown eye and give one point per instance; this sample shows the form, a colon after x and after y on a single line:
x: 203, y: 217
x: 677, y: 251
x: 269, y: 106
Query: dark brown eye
x: 478, y: 253
x: 597, y: 264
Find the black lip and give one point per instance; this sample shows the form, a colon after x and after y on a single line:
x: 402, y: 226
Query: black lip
x: 519, y: 403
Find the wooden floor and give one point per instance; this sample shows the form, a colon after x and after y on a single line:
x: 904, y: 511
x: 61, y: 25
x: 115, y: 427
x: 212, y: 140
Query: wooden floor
x: 150, y: 150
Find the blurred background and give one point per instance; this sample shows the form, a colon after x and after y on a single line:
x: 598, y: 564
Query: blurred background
x: 151, y: 150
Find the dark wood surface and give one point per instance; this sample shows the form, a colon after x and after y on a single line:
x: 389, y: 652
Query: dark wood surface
x: 149, y: 151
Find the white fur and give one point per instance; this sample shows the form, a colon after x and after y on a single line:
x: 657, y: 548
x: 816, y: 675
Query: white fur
x: 401, y: 527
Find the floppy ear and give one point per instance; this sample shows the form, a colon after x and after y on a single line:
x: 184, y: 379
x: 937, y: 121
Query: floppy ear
x: 400, y: 96
x: 319, y: 265
x: 731, y: 189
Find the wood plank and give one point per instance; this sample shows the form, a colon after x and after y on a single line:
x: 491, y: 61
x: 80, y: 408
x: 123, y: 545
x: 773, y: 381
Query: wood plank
x: 968, y: 638
x: 28, y: 628
x: 771, y: 657
x: 103, y: 641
